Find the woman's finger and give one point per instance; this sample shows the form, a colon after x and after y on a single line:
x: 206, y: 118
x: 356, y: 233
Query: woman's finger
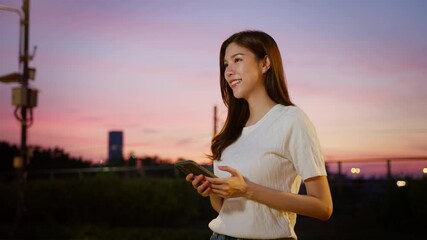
x: 189, y: 177
x: 197, y: 181
x: 207, y: 192
x: 229, y: 169
x: 202, y: 187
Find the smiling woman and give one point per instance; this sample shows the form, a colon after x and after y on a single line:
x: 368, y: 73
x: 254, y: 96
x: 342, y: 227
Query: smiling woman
x: 266, y: 147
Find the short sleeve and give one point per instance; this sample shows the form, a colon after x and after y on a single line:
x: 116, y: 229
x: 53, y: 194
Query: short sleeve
x: 304, y: 147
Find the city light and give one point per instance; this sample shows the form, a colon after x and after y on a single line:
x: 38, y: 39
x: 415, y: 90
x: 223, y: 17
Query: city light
x: 425, y: 170
x: 401, y: 183
x: 355, y: 170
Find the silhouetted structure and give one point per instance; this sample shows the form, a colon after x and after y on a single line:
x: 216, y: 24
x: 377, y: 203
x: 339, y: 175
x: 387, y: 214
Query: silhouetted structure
x: 115, y: 148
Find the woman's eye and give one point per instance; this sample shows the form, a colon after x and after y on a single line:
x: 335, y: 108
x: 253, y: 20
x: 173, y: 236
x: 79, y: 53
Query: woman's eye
x: 225, y: 65
x: 237, y: 59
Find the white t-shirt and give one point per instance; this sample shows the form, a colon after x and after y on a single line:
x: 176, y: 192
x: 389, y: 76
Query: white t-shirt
x: 277, y: 152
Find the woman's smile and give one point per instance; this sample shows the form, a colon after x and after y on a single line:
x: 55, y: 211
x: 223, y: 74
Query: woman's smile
x: 233, y: 83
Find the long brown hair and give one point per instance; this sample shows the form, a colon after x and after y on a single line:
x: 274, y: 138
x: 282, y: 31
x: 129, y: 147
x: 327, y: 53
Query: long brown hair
x: 261, y: 44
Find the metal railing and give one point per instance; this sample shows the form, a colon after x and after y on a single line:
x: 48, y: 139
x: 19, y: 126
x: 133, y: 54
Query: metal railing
x: 387, y: 165
x: 353, y: 168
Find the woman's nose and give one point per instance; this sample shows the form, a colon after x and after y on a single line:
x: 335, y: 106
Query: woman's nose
x: 229, y: 72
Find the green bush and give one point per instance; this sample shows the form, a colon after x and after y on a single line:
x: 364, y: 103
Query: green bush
x: 107, y: 199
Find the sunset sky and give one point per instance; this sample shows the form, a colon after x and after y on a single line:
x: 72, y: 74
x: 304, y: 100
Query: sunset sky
x: 150, y: 69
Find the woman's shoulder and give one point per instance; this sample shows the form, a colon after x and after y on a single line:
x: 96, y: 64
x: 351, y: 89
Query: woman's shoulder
x: 293, y: 115
x: 291, y: 111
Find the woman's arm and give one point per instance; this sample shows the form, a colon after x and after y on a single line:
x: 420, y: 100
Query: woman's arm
x: 216, y: 202
x: 317, y: 203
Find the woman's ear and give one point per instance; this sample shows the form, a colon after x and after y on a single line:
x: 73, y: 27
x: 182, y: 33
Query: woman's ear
x: 265, y: 64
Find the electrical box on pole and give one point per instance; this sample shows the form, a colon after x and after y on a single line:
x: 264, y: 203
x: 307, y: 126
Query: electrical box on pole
x: 21, y: 97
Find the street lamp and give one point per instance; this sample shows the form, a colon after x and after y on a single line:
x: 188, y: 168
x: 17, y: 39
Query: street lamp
x: 11, y: 78
x: 17, y: 77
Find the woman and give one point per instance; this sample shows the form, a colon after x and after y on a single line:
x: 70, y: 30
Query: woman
x: 266, y: 147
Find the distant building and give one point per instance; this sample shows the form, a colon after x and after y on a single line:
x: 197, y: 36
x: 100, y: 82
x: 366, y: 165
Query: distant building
x: 115, y: 148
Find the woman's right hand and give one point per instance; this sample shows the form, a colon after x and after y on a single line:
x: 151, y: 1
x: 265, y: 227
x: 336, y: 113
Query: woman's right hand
x: 199, y: 183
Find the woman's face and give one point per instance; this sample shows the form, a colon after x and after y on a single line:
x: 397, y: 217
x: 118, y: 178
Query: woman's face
x: 243, y: 71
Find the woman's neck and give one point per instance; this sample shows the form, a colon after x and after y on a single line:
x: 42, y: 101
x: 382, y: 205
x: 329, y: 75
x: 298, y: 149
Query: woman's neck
x: 258, y: 107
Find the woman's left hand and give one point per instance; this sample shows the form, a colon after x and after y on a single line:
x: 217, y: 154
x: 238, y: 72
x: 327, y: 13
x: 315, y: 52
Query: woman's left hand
x: 231, y: 187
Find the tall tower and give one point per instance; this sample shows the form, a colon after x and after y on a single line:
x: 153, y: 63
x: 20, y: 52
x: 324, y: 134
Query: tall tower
x: 115, y: 148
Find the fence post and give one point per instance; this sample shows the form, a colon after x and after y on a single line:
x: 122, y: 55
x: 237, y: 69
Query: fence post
x: 389, y: 176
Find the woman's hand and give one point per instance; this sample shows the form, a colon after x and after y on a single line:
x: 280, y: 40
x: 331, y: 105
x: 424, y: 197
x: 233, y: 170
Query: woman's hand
x: 231, y: 187
x: 199, y: 183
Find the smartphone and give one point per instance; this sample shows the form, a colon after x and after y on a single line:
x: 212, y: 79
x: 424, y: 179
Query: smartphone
x: 190, y: 166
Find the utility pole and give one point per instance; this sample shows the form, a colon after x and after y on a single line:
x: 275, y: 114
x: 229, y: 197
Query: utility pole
x: 24, y: 59
x: 25, y: 98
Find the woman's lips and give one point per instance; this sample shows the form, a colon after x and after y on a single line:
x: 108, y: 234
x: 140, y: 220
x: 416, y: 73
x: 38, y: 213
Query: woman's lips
x: 235, y: 82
